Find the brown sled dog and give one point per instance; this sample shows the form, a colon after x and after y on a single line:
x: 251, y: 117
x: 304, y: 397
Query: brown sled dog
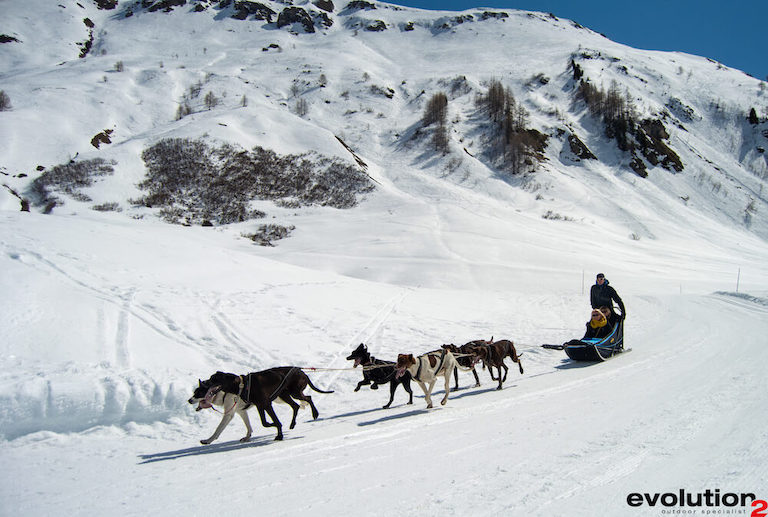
x: 492, y: 353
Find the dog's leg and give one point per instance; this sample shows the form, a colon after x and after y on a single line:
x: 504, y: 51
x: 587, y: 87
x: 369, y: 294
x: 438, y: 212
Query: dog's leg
x: 515, y: 358
x: 431, y: 389
x: 456, y: 378
x: 294, y: 406
x: 490, y: 370
x: 315, y: 412
x: 392, y: 388
x: 225, y: 420
x: 268, y: 423
x: 426, y: 393
x: 505, y: 370
x: 477, y: 379
x: 275, y: 420
x: 447, y: 376
x: 308, y: 400
x: 364, y: 382
x: 263, y: 417
x: 407, y: 386
x: 247, y: 421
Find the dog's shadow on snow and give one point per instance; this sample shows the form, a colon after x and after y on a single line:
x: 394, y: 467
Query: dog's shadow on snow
x: 205, y: 449
x: 413, y: 412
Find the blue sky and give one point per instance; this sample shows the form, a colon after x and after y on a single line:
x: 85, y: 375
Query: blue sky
x: 732, y: 32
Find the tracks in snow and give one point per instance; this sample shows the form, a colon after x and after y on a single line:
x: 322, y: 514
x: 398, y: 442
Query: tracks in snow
x: 366, y: 333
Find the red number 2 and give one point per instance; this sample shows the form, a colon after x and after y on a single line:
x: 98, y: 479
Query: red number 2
x: 760, y: 511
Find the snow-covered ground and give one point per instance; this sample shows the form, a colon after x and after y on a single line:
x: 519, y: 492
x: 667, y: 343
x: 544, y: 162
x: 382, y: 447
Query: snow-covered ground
x: 109, y: 323
x: 109, y: 318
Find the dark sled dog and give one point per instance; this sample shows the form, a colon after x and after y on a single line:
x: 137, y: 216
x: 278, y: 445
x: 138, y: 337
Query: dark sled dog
x: 382, y: 372
x: 259, y: 389
x: 465, y: 360
x: 492, y: 353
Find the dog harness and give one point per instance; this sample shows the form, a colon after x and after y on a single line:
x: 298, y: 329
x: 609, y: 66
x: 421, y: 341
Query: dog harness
x: 282, y: 383
x: 421, y: 362
x: 212, y: 391
x: 417, y: 377
x: 490, y: 350
x: 242, y: 387
x: 379, y: 363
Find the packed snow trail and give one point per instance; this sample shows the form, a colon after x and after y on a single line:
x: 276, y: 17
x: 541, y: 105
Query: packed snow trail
x: 678, y: 412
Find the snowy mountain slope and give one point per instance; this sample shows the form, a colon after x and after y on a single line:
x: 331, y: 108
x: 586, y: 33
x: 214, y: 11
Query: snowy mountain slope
x: 109, y: 318
x: 369, y: 87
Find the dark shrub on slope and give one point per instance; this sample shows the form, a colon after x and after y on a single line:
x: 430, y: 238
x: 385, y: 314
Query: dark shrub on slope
x: 68, y: 179
x: 192, y: 181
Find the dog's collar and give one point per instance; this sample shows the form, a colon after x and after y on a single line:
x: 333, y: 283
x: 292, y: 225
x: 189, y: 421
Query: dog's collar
x: 241, y: 387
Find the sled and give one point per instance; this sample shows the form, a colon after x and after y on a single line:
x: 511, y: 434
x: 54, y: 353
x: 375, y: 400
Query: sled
x: 594, y: 349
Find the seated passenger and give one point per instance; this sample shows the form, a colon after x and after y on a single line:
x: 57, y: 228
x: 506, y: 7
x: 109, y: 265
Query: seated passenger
x: 611, y: 316
x: 598, y: 326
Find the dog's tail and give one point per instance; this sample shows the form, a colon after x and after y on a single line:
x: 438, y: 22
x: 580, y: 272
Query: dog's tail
x: 516, y: 358
x: 309, y: 383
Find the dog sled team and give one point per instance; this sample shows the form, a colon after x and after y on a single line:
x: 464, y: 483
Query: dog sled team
x: 235, y: 394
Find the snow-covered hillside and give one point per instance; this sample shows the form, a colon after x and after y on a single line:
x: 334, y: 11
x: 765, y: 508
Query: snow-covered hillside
x: 369, y: 88
x: 110, y: 316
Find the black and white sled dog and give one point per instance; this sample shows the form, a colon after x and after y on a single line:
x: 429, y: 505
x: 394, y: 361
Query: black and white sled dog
x: 230, y: 404
x: 237, y: 393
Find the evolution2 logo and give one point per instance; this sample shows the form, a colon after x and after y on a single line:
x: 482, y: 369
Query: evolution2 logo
x: 709, y: 502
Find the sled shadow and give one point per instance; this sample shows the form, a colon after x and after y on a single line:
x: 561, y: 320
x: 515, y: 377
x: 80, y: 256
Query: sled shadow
x: 567, y: 364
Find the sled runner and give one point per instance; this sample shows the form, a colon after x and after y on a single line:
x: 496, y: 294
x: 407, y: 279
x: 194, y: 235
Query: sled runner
x: 594, y: 349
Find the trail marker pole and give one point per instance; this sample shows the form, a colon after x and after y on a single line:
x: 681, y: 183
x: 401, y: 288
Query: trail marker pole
x: 738, y: 278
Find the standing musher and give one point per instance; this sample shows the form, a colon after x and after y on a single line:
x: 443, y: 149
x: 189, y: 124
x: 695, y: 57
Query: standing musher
x: 603, y: 295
